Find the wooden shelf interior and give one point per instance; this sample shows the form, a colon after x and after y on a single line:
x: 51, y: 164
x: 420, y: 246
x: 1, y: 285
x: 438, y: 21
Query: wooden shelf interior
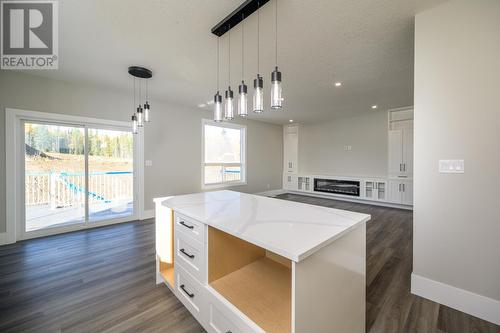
x: 165, y: 252
x: 254, y: 280
x: 167, y: 272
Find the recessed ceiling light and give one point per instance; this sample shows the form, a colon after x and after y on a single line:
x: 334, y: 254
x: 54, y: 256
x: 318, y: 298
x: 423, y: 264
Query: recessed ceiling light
x: 374, y: 107
x: 291, y: 120
x: 210, y: 102
x: 338, y: 84
x: 202, y: 105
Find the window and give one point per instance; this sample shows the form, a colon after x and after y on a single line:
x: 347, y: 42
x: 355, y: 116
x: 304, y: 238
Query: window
x: 223, y: 154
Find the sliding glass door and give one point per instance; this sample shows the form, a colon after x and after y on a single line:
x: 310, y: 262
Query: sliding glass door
x: 76, y: 176
x: 111, y: 174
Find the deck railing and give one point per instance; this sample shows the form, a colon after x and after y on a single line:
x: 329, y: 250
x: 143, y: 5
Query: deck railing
x: 68, y: 189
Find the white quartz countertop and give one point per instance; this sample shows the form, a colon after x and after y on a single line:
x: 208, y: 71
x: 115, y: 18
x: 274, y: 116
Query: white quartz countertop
x: 291, y: 229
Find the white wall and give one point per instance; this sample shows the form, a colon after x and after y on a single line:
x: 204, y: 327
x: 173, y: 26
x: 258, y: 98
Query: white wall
x: 457, y: 116
x: 172, y: 140
x: 321, y: 146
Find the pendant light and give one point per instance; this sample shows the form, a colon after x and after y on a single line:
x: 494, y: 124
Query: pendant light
x: 258, y: 83
x: 229, y: 106
x: 217, y: 96
x: 139, y: 112
x: 242, y: 89
x: 147, y: 107
x: 276, y: 89
x: 140, y: 116
x: 135, y: 126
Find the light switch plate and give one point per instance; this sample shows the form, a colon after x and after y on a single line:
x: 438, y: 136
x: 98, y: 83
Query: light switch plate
x: 451, y: 166
x: 149, y: 163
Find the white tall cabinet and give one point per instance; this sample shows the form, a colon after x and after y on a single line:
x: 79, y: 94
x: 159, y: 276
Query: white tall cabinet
x: 290, y: 156
x: 401, y: 156
x: 290, y: 148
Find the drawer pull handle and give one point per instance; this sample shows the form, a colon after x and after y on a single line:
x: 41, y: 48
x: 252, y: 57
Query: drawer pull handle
x: 187, y: 225
x: 187, y: 254
x: 187, y: 292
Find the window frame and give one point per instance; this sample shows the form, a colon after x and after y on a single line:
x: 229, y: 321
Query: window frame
x: 243, y: 150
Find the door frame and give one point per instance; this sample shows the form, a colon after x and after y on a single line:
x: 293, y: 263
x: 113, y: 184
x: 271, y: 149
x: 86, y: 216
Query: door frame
x: 14, y: 136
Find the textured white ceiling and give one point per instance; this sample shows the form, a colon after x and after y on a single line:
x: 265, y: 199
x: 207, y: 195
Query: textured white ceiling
x: 365, y: 44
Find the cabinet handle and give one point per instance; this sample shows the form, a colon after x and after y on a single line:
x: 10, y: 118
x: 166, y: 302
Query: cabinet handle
x: 404, y: 167
x: 187, y: 292
x: 400, y: 166
x: 403, y: 187
x: 399, y: 187
x: 187, y: 225
x: 187, y: 254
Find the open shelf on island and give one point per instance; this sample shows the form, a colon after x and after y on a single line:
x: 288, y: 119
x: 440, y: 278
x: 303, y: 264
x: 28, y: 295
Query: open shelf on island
x: 167, y: 273
x: 165, y: 247
x: 256, y: 281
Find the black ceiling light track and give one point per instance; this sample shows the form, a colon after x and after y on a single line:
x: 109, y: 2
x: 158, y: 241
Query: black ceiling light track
x: 238, y: 15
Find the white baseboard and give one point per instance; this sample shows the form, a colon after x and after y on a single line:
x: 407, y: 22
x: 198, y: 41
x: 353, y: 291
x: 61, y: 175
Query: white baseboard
x: 271, y: 193
x: 356, y: 200
x: 462, y: 300
x: 5, y: 238
x: 148, y: 214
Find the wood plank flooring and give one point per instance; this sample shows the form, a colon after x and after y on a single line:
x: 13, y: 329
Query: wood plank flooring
x: 102, y: 280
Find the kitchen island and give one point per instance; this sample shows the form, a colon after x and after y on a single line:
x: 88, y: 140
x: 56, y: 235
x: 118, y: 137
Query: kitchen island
x: 248, y: 263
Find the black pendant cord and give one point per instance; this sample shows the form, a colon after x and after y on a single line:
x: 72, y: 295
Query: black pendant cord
x: 218, y: 64
x: 258, y: 38
x: 276, y: 31
x: 229, y: 60
x: 242, y: 47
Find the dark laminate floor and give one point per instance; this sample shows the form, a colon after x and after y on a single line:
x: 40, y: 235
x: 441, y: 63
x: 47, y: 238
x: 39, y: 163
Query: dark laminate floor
x: 102, y: 280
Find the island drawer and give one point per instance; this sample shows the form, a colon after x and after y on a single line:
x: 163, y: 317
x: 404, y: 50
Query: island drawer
x: 191, y: 255
x: 190, y: 227
x: 191, y: 293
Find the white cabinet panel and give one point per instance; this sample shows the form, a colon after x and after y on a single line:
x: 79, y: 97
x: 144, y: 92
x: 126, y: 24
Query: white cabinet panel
x: 395, y: 152
x: 408, y: 151
x: 401, y: 191
x: 290, y: 148
x: 407, y: 193
x: 401, y: 152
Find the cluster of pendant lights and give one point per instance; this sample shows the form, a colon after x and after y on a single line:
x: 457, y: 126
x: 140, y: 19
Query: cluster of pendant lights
x: 142, y: 113
x: 258, y: 82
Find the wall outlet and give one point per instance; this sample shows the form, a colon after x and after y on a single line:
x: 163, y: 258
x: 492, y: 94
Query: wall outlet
x: 451, y: 166
x: 148, y: 163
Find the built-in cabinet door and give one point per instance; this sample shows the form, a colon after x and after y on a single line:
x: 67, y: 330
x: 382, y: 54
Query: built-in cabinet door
x: 407, y: 151
x: 290, y: 149
x: 401, y: 192
x: 395, y: 152
x: 407, y: 193
x: 395, y: 191
x: 289, y: 182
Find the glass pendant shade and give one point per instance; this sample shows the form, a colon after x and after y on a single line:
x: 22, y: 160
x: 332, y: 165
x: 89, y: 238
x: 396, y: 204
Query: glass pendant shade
x: 229, y: 105
x: 147, y: 110
x: 135, y: 126
x: 242, y: 100
x: 140, y: 116
x: 258, y: 95
x: 276, y: 89
x: 218, y: 108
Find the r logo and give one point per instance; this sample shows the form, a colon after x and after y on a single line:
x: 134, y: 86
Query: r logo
x: 27, y: 28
